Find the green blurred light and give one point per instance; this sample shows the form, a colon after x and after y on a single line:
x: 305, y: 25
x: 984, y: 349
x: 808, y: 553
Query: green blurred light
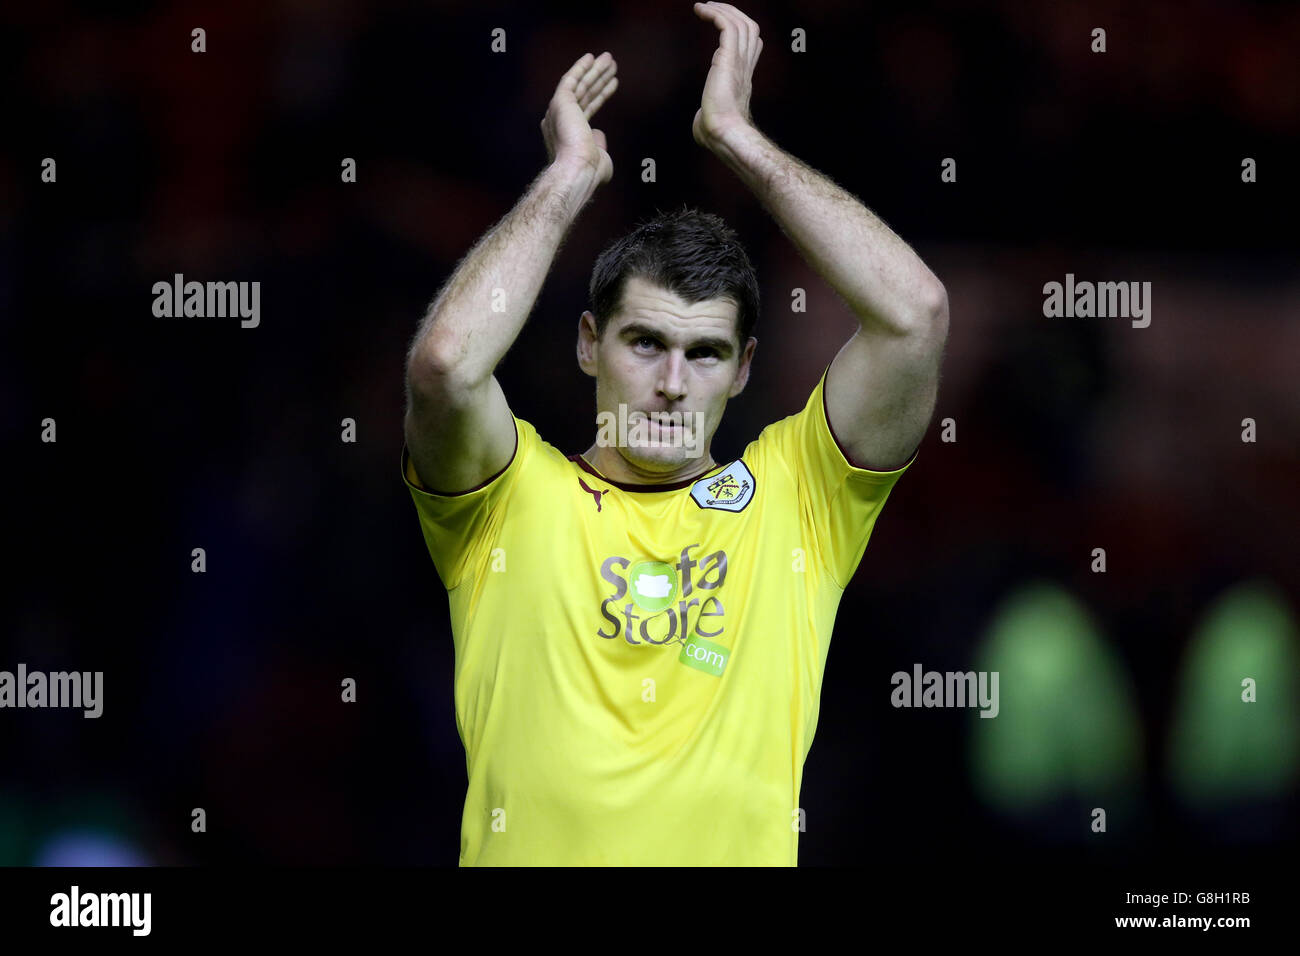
x: 1067, y: 725
x: 1223, y: 749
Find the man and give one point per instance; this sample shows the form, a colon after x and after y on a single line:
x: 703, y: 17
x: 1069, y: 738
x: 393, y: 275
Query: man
x: 640, y: 634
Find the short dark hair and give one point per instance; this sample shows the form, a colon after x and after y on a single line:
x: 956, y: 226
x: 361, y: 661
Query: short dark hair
x: 691, y: 253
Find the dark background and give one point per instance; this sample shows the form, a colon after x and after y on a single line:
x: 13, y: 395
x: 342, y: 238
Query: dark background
x: 222, y: 689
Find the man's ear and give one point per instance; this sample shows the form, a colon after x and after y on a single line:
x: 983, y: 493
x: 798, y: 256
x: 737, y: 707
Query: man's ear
x: 742, y: 374
x: 587, y: 343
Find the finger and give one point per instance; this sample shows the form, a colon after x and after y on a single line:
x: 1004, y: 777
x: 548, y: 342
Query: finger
x: 728, y: 42
x: 592, y: 73
x: 599, y: 137
x: 594, y: 89
x: 733, y: 22
x: 590, y: 109
x: 596, y: 74
x: 570, y: 79
x: 589, y: 88
x: 596, y: 95
x: 736, y: 13
x: 748, y: 28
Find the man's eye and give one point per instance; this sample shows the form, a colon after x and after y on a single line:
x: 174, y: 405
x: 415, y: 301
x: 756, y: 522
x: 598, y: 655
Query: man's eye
x: 705, y: 353
x: 646, y: 340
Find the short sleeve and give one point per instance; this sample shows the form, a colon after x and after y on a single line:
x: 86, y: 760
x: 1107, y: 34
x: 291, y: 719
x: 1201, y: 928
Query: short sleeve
x: 459, y: 528
x: 838, y: 502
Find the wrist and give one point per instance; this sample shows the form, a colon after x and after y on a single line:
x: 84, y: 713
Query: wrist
x: 732, y: 141
x: 574, y: 172
x: 570, y: 183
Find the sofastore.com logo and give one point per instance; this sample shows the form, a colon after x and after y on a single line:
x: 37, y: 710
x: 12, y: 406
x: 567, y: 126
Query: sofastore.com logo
x: 654, y: 584
x: 705, y: 656
x: 653, y: 603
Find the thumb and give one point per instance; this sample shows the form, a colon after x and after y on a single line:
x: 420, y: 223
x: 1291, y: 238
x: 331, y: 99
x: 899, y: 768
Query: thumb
x: 599, y: 137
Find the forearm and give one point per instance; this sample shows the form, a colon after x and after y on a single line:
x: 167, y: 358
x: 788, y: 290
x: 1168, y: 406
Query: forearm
x: 884, y: 282
x: 480, y: 310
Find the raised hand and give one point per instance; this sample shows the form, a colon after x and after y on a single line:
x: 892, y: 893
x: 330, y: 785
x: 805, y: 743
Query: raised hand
x: 581, y: 91
x: 725, y: 103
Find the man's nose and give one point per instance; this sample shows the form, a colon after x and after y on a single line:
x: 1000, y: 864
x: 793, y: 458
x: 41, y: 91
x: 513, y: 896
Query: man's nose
x: 672, y: 375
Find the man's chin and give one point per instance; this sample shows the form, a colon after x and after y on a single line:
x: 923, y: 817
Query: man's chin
x: 656, y: 457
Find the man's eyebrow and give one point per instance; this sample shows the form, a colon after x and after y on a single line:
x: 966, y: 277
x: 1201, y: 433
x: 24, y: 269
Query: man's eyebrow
x: 720, y: 345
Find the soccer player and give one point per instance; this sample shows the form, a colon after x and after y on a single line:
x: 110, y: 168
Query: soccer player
x: 640, y: 633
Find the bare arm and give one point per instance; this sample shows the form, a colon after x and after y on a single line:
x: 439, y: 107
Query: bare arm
x: 458, y: 426
x: 883, y: 384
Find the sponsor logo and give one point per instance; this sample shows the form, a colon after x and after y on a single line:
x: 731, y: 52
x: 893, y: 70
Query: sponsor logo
x: 704, y: 655
x: 654, y: 602
x: 593, y: 492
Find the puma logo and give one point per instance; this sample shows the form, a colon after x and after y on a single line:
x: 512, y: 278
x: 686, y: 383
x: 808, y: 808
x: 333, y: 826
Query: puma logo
x: 593, y: 492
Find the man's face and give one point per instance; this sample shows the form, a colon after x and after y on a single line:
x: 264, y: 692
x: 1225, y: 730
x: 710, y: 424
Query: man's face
x: 660, y: 355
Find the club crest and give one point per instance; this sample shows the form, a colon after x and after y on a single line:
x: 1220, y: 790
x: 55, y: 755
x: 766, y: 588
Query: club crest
x: 729, y: 490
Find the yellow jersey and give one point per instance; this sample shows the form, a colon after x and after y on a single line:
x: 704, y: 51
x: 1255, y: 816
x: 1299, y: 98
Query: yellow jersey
x: 638, y: 667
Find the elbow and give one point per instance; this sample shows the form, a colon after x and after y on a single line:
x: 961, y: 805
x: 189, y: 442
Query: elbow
x: 423, y: 368
x: 924, y: 320
x: 935, y: 302
x: 440, y: 373
x: 934, y: 314
x: 432, y: 361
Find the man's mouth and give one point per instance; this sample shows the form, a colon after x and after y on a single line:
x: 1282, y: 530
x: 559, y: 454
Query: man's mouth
x: 664, y: 427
